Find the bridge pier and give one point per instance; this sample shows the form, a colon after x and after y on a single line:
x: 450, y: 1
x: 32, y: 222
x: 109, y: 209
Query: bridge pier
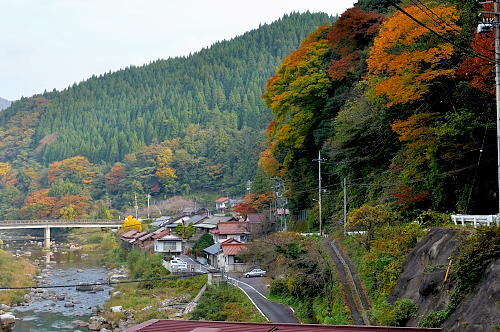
x: 47, y: 237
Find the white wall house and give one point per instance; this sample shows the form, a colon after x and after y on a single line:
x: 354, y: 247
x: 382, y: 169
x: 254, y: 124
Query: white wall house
x: 168, y: 245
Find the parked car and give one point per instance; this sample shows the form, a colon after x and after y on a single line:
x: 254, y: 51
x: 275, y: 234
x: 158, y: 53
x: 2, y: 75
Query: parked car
x: 178, y: 264
x: 255, y: 273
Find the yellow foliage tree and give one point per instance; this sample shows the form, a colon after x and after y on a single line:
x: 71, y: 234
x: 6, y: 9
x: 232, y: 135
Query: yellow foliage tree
x: 130, y: 223
x: 365, y: 220
x: 4, y: 170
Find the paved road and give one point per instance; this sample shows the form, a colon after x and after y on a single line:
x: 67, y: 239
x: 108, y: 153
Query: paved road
x: 274, y: 312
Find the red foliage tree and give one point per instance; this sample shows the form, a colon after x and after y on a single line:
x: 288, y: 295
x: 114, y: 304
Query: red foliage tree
x: 113, y: 177
x: 38, y: 206
x: 351, y: 33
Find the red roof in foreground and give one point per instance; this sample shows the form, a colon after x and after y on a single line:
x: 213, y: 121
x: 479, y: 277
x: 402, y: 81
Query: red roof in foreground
x: 165, y: 325
x: 233, y: 249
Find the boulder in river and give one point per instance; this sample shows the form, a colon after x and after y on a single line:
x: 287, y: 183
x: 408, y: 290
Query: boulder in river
x: 7, y: 321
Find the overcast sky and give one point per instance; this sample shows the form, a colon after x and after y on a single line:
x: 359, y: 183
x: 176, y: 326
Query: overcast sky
x: 55, y: 43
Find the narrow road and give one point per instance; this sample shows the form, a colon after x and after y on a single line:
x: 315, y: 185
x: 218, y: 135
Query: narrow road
x: 274, y: 312
x: 357, y: 299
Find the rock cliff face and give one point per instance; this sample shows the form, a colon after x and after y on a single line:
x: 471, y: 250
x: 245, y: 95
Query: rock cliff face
x: 481, y: 310
x: 424, y: 269
x: 422, y: 281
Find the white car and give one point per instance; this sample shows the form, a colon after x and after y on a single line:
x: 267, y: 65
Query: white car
x: 255, y: 273
x: 178, y: 264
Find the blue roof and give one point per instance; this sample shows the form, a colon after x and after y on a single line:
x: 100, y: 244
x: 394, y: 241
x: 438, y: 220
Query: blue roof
x: 213, y: 249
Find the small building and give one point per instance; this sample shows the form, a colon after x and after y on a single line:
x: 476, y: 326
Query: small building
x: 230, y: 260
x: 208, y: 224
x: 211, y: 254
x: 231, y: 230
x: 146, y: 241
x: 159, y: 222
x: 126, y: 238
x: 222, y: 204
x: 168, y: 244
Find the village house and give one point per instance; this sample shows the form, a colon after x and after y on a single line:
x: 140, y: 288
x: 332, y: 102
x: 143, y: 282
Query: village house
x: 222, y: 204
x: 168, y: 244
x: 126, y: 238
x: 229, y: 257
x: 146, y: 241
x: 230, y: 230
x: 212, y: 253
x: 208, y: 224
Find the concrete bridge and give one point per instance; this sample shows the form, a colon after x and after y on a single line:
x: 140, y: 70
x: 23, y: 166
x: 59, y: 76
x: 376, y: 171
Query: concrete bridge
x: 55, y: 223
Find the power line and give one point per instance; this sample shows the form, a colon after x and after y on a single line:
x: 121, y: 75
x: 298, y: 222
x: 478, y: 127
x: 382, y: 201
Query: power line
x: 106, y: 283
x: 468, y: 51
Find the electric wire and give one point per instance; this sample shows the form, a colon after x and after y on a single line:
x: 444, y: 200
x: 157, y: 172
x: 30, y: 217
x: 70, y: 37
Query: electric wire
x: 467, y: 51
x: 443, y: 21
x: 110, y: 283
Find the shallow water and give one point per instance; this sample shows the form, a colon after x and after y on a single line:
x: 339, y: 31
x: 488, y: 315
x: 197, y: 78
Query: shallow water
x: 67, y: 267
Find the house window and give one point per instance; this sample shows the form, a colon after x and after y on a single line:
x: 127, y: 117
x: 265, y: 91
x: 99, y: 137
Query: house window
x: 169, y: 246
x: 238, y: 260
x: 222, y: 236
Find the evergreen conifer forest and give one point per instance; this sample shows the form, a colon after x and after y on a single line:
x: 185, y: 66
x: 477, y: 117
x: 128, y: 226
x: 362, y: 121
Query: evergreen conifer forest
x: 405, y: 113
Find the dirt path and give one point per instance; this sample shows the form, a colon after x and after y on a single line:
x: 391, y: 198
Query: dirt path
x: 356, y: 297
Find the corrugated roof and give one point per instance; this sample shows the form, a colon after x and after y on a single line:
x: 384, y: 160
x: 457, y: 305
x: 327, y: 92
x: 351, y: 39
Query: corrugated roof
x: 255, y: 217
x: 213, y: 249
x: 129, y: 234
x: 166, y: 325
x: 231, y: 228
x: 170, y: 237
x: 156, y: 236
x: 196, y: 219
x: 145, y: 237
x: 233, y: 249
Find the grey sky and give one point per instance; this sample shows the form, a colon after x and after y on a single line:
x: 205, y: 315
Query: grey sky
x: 55, y: 43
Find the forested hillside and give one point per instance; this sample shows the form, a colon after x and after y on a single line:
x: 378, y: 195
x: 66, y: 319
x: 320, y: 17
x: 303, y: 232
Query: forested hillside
x: 183, y: 125
x: 401, y: 103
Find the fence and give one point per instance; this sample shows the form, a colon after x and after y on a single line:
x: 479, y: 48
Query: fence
x: 475, y: 220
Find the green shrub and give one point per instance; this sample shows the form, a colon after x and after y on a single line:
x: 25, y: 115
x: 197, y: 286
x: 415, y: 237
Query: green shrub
x: 434, y: 319
x: 94, y: 238
x: 396, y: 314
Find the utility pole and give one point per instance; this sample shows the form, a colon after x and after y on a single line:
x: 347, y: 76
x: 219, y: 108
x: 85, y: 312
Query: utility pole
x: 345, y: 207
x: 136, y: 207
x: 275, y: 189
x: 497, y: 81
x: 486, y: 27
x: 319, y: 192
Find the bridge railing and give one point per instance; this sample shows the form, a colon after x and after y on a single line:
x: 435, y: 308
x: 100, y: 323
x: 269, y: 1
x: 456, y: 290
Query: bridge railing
x: 60, y: 222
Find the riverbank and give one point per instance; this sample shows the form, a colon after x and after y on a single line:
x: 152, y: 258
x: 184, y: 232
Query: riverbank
x: 15, y: 272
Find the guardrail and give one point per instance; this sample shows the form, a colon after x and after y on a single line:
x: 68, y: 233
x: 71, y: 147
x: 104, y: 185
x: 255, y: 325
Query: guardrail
x: 475, y: 220
x: 59, y: 222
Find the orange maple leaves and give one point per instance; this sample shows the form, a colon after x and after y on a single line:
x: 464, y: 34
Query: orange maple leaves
x: 410, y: 56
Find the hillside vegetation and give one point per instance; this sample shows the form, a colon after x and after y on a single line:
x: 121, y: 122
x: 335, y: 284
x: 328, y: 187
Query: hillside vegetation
x: 181, y: 126
x: 404, y: 113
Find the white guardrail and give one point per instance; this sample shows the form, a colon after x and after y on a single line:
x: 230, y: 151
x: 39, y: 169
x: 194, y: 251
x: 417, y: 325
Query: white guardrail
x: 475, y: 220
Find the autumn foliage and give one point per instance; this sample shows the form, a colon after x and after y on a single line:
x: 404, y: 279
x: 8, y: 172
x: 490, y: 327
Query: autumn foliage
x: 409, y: 56
x: 351, y: 33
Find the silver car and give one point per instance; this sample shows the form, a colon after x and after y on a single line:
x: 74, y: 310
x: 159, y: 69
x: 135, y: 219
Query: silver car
x: 255, y: 273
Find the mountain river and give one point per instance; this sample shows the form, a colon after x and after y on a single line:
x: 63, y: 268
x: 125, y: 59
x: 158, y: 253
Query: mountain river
x: 67, y: 266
